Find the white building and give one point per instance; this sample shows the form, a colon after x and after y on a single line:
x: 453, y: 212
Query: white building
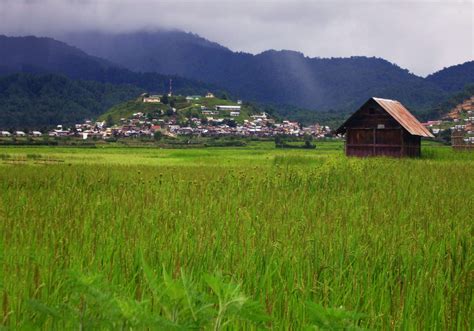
x: 262, y: 116
x: 228, y: 108
x: 5, y: 134
x: 193, y: 97
x: 20, y: 134
x: 152, y: 99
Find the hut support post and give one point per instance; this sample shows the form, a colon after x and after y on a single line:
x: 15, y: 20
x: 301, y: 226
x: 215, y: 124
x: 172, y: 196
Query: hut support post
x: 373, y: 141
x: 402, y: 146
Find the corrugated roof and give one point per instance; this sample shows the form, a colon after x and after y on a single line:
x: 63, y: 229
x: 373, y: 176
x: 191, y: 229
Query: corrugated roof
x: 404, y: 117
x: 401, y: 115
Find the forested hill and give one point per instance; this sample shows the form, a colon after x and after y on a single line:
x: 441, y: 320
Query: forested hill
x: 35, y: 101
x: 455, y: 78
x: 278, y: 77
x: 46, y: 55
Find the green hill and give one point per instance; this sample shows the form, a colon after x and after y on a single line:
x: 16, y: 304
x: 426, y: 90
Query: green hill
x: 128, y: 108
x: 183, y: 109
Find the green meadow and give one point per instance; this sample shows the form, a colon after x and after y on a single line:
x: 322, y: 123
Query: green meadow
x: 225, y: 238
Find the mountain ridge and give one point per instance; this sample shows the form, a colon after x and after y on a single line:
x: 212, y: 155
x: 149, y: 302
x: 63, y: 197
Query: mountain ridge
x: 454, y: 78
x: 44, y: 55
x: 272, y: 76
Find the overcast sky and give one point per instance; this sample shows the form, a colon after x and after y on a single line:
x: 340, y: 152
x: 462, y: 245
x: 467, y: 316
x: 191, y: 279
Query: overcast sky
x: 422, y: 36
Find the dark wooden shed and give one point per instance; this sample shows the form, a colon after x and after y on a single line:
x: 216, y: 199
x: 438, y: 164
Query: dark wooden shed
x: 383, y: 127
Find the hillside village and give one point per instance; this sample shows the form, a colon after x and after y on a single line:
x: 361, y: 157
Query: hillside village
x: 459, y: 122
x: 168, y: 115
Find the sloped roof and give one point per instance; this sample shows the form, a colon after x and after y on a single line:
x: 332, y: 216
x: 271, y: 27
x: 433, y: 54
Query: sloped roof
x: 401, y: 115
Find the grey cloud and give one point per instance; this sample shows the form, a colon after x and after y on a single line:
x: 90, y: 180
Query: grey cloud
x: 422, y: 36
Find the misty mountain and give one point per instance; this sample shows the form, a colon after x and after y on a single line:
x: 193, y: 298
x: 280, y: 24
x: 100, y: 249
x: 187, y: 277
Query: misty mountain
x: 35, y: 55
x: 278, y: 77
x: 454, y: 78
x: 46, y: 55
x: 34, y: 100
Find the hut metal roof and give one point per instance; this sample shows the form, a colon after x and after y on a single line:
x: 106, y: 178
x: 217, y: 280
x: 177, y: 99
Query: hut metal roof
x: 401, y: 115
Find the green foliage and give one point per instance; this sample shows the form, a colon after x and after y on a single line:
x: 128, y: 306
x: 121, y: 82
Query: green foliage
x: 333, y: 319
x: 308, y: 142
x: 109, y: 120
x: 176, y: 304
x: 282, y: 141
x: 307, y: 116
x: 157, y: 135
x: 278, y: 141
x: 130, y: 107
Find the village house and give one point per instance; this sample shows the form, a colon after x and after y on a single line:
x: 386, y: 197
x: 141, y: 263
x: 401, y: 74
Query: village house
x: 152, y: 99
x: 193, y: 97
x: 20, y: 134
x: 228, y: 108
x: 430, y: 124
x: 262, y: 116
x: 383, y: 127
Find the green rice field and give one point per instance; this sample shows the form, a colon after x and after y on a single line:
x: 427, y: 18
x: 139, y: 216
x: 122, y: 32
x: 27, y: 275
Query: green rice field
x: 251, y: 238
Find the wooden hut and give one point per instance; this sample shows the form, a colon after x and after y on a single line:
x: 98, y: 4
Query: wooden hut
x: 383, y: 127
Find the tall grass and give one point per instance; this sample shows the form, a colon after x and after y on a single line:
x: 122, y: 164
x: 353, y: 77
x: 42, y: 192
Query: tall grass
x: 295, y: 241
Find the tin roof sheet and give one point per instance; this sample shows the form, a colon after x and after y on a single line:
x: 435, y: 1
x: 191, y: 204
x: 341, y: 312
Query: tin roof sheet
x: 404, y: 117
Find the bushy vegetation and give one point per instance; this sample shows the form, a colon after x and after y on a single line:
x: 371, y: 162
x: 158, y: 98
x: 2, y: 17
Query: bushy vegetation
x: 243, y: 239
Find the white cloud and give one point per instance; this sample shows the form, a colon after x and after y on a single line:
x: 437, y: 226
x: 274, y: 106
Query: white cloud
x: 422, y: 36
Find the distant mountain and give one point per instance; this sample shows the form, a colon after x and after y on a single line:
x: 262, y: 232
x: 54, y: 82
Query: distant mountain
x: 278, y: 77
x: 454, y: 78
x: 34, y: 101
x: 37, y: 55
x: 170, y: 52
x: 46, y: 55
